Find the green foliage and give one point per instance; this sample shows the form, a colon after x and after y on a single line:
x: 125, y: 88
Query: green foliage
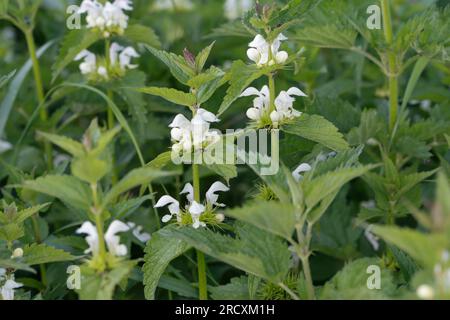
x: 41, y: 253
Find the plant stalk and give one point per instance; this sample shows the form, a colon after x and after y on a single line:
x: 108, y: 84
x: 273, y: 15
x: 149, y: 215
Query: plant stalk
x: 201, y: 264
x: 39, y: 92
x: 392, y: 64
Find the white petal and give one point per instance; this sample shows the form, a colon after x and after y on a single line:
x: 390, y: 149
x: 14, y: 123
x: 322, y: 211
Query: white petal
x: 174, y: 205
x: 116, y: 227
x: 259, y: 41
x: 276, y: 116
x: 304, y: 167
x: 296, y: 92
x: 114, y: 51
x: 124, y: 4
x: 91, y: 238
x: 212, y: 197
x: 253, y: 114
x: 180, y: 121
x: 250, y: 92
x: 281, y: 57
x: 281, y: 37
x: 207, y: 116
x: 83, y: 54
x: 254, y: 55
x: 113, y: 241
x: 189, y: 190
x: 196, y: 208
x: 166, y: 218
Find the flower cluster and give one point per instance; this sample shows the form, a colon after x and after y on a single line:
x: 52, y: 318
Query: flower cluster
x: 108, y: 18
x: 234, y: 9
x: 101, y: 69
x: 264, y: 53
x: 194, y: 135
x: 111, y: 238
x: 7, y: 280
x: 194, y: 213
x: 283, y: 111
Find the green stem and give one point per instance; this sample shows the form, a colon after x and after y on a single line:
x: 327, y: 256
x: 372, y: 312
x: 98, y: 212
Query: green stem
x: 201, y: 264
x: 39, y: 91
x: 308, y: 278
x: 272, y: 92
x: 98, y: 223
x: 392, y: 64
x: 289, y: 291
x: 38, y: 237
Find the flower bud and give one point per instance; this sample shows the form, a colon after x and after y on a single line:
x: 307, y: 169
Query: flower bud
x: 17, y: 253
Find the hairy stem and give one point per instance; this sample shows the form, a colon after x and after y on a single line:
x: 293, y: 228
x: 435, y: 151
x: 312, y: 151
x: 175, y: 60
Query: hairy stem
x: 392, y: 65
x: 39, y: 91
x: 98, y: 223
x: 201, y: 264
x: 308, y: 278
x: 272, y: 92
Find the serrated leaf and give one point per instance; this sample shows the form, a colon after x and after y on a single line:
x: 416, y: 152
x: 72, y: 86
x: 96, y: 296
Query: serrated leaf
x: 159, y: 252
x: 40, y: 254
x: 317, y: 129
x: 27, y: 213
x: 142, y: 34
x: 14, y: 264
x: 68, y: 189
x: 89, y: 169
x: 237, y: 289
x: 73, y: 43
x: 426, y: 249
x: 328, y: 36
x: 177, y: 65
x: 202, y: 57
x: 271, y: 216
x: 171, y: 95
x: 73, y: 147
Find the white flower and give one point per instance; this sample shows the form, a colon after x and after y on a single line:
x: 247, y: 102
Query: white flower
x: 212, y: 197
x: 138, y: 233
x: 261, y: 104
x: 7, y: 290
x: 109, y: 17
x: 17, y: 253
x: 4, y: 146
x: 297, y: 173
x: 425, y: 292
x: 123, y: 59
x: 194, y: 134
x: 284, y: 105
x: 111, y: 238
x: 234, y: 9
x: 373, y: 239
x: 174, y: 207
x: 194, y: 208
x: 261, y: 51
x: 89, y: 65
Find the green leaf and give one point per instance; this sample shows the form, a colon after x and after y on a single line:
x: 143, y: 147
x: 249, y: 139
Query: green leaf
x: 351, y: 282
x: 253, y: 250
x: 142, y: 34
x: 160, y: 161
x: 202, y: 57
x: 41, y: 254
x: 171, y: 95
x: 68, y: 189
x: 11, y: 95
x: 73, y: 43
x: 134, y: 178
x: 426, y: 249
x: 327, y: 36
x: 237, y: 289
x: 180, y: 287
x: 4, y: 7
x: 321, y: 187
x: 419, y: 67
x: 159, y: 252
x: 241, y: 76
x: 271, y: 216
x: 14, y: 264
x: 177, y: 65
x: 317, y: 129
x: 89, y: 169
x: 27, y: 213
x: 73, y: 147
x: 4, y: 79
x: 95, y: 286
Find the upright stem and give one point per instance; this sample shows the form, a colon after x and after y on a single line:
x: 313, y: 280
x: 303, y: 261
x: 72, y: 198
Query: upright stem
x: 39, y: 91
x: 109, y: 92
x: 98, y: 223
x: 272, y: 92
x: 201, y: 264
x: 392, y: 67
x: 308, y: 278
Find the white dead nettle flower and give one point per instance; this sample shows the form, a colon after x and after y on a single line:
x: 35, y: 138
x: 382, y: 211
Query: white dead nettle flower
x: 284, y: 104
x: 138, y: 232
x: 5, y: 146
x: 7, y: 285
x: 173, y: 5
x: 111, y: 238
x: 373, y: 239
x: 264, y: 53
x: 17, y: 253
x: 234, y: 9
x: 89, y: 65
x: 195, y: 134
x: 109, y: 18
x: 193, y: 208
x: 302, y: 168
x: 425, y: 292
x: 121, y: 57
